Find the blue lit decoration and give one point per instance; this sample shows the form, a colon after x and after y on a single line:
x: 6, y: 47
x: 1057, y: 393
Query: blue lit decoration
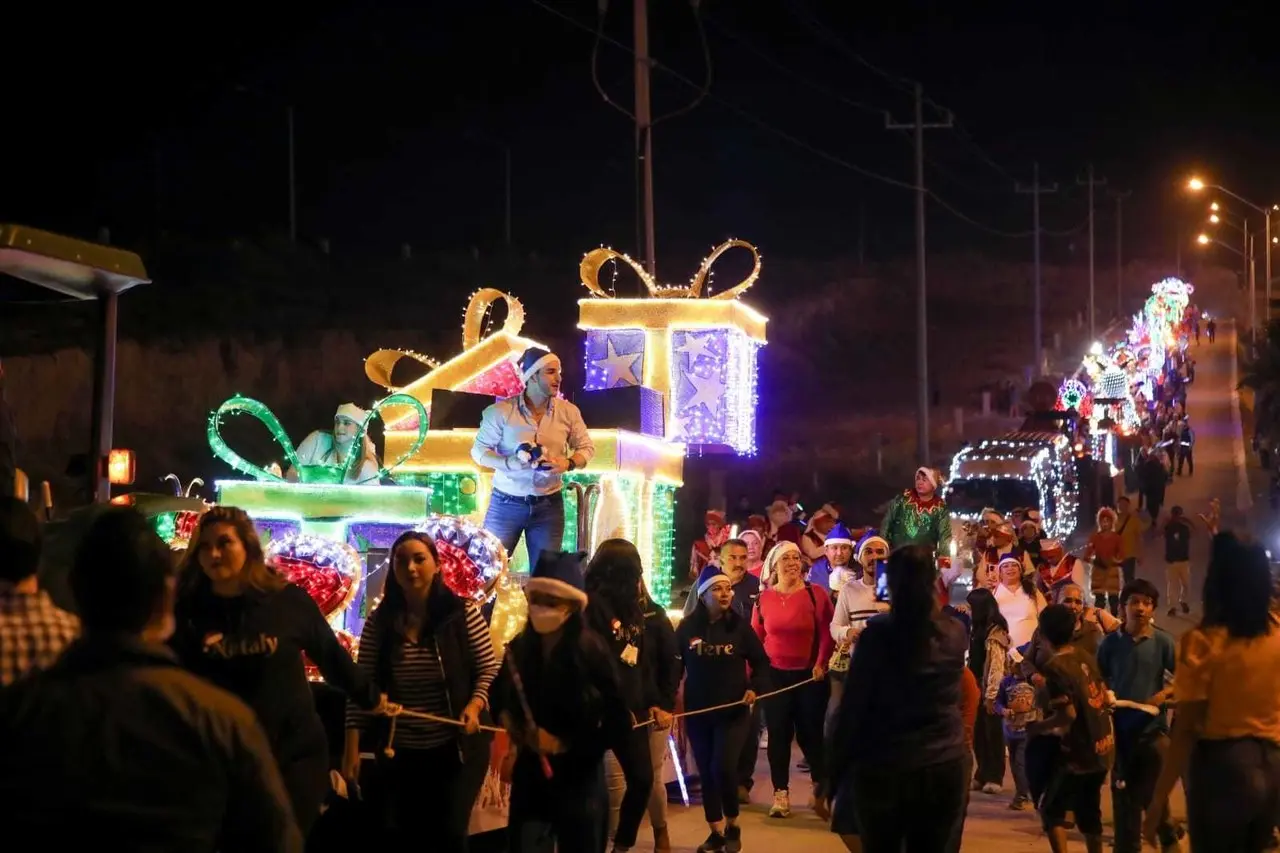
x: 613, y: 359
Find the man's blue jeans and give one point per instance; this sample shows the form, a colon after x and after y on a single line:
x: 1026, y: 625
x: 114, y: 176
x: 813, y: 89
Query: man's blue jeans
x: 539, y: 517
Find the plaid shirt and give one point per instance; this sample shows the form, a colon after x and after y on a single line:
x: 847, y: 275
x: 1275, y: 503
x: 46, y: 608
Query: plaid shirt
x: 33, y: 632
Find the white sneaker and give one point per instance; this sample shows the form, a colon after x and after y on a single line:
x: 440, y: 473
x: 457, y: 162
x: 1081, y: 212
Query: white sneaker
x: 992, y: 788
x: 781, y: 804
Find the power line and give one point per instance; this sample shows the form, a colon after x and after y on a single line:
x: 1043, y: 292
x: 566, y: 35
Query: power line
x: 819, y: 29
x: 793, y: 74
x: 732, y: 107
x: 786, y: 136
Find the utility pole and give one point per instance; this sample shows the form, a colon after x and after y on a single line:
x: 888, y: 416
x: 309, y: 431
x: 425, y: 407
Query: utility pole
x: 644, y: 140
x: 293, y: 183
x: 1037, y: 325
x: 1120, y: 197
x: 922, y: 291
x: 506, y: 207
x: 1091, y: 183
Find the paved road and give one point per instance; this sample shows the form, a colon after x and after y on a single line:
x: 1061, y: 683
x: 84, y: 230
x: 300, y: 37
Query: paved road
x: 991, y: 827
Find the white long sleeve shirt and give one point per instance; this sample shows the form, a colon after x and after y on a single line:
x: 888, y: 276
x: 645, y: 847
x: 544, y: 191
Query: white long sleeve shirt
x: 855, y: 604
x: 508, y: 423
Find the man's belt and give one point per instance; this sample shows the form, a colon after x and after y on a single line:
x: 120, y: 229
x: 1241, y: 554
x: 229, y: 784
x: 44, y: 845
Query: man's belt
x: 530, y: 499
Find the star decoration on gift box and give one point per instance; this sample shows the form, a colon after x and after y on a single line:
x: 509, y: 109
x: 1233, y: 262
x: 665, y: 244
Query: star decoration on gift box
x: 696, y: 346
x: 618, y: 367
x: 708, y: 391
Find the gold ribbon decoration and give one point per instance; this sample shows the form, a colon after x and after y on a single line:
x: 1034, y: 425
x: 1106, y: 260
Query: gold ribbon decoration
x: 481, y: 301
x: 593, y: 261
x: 379, y: 365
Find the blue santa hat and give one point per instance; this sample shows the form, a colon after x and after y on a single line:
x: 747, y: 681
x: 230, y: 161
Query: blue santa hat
x: 839, y: 535
x: 710, y: 575
x: 534, y: 359
x: 559, y: 573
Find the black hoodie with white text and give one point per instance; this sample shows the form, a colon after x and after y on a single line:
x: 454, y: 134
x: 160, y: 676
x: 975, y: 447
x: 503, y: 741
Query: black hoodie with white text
x: 722, y: 659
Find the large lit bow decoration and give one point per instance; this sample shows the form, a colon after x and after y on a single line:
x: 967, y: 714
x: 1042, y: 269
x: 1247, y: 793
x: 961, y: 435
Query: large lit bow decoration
x: 306, y: 473
x: 593, y: 261
x: 379, y: 365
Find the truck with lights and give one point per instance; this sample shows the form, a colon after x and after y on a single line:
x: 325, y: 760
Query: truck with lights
x: 1016, y: 470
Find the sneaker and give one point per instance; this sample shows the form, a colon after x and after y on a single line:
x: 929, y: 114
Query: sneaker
x: 976, y: 786
x: 1173, y: 611
x: 733, y: 839
x: 715, y: 843
x: 781, y: 804
x: 1020, y: 804
x: 764, y: 740
x: 992, y: 788
x: 744, y: 795
x: 802, y: 766
x: 1186, y: 608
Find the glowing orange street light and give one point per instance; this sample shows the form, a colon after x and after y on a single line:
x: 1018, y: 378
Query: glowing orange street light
x: 1195, y: 185
x: 1213, y: 206
x: 122, y: 467
x: 1214, y: 218
x: 1203, y: 239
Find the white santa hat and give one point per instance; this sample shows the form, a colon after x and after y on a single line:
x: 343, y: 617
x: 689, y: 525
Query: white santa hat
x: 930, y: 474
x: 351, y: 412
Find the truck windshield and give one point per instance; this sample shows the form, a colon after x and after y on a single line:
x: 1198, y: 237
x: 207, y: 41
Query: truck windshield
x: 970, y: 497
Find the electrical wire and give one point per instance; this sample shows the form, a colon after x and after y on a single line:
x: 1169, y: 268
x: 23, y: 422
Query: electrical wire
x: 751, y: 118
x: 706, y: 59
x: 732, y: 107
x: 602, y: 10
x: 819, y: 29
x: 795, y: 75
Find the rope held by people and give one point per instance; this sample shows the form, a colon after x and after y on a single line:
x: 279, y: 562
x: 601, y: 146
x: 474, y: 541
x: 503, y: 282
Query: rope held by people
x: 394, y: 711
x: 727, y: 705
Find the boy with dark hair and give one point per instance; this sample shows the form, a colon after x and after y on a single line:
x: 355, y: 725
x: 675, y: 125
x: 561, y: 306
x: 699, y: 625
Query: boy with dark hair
x: 1077, y: 704
x: 33, y: 631
x: 1137, y: 663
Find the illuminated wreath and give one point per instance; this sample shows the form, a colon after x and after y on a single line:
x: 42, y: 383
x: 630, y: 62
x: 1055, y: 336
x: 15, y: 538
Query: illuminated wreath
x: 329, y: 571
x: 1071, y: 395
x: 176, y: 528
x: 470, y: 556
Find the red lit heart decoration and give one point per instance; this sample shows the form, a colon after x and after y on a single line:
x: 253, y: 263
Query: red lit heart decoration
x: 460, y: 572
x: 471, y: 557
x: 329, y: 571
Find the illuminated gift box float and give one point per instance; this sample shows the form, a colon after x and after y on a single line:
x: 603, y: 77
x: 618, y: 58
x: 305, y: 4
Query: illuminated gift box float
x: 698, y: 351
x: 634, y: 475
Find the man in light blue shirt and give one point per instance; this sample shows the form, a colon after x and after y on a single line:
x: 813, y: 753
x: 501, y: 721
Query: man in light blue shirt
x: 531, y: 441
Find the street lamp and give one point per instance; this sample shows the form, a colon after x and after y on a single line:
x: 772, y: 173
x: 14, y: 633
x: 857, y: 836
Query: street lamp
x: 1214, y: 219
x: 1249, y: 269
x: 1196, y: 185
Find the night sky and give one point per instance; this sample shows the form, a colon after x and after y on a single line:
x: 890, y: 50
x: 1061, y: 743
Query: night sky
x: 143, y: 121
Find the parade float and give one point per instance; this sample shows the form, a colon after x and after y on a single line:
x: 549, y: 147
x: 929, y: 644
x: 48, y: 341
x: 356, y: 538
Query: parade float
x: 683, y: 356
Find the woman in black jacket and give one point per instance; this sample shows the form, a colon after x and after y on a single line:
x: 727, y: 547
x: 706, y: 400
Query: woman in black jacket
x: 243, y: 627
x: 428, y: 651
x: 724, y: 662
x: 557, y: 695
x: 615, y: 587
x: 660, y: 638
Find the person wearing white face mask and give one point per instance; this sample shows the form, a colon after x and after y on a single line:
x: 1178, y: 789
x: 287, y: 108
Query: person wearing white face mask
x: 557, y: 695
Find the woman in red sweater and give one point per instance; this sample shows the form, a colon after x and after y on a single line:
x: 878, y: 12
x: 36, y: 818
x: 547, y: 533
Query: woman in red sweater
x: 793, y: 620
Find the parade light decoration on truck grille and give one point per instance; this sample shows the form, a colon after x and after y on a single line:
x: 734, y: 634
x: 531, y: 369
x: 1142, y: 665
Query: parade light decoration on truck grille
x: 1036, y: 456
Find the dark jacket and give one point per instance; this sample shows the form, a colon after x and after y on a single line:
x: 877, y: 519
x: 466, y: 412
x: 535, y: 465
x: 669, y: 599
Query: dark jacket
x: 666, y: 669
x: 722, y: 659
x: 117, y: 735
x: 573, y: 694
x: 252, y: 646
x: 637, y: 680
x: 898, y: 712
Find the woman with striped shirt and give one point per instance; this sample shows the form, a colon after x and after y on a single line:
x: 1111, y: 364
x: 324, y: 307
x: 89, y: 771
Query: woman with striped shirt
x: 429, y: 651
